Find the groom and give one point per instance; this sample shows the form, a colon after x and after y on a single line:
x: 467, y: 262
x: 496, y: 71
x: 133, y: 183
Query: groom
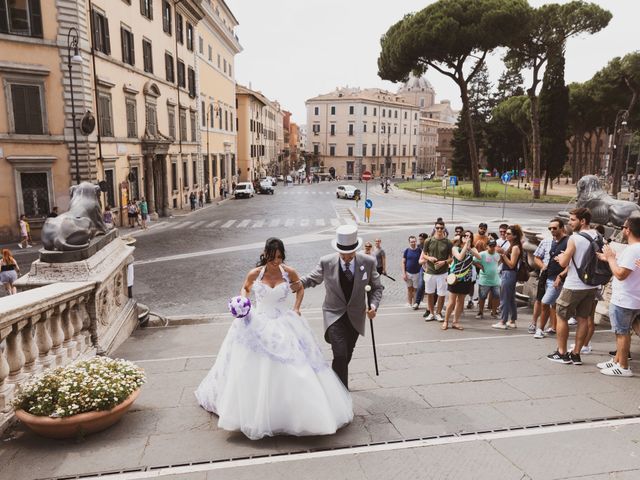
x: 345, y: 305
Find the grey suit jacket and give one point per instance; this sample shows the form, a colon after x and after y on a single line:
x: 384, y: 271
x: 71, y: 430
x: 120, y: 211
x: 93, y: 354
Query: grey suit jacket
x: 335, y: 304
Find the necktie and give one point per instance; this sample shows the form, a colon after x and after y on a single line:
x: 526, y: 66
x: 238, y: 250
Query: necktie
x: 347, y: 271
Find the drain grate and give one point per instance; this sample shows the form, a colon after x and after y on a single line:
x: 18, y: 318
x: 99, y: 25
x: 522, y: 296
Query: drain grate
x: 108, y: 473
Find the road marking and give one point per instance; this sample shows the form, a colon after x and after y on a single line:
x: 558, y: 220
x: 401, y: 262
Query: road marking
x: 243, y: 223
x: 377, y: 448
x: 211, y: 224
x: 259, y: 223
x: 289, y: 222
x: 176, y: 225
x: 320, y: 222
x: 275, y: 222
x: 227, y: 224
x: 197, y: 224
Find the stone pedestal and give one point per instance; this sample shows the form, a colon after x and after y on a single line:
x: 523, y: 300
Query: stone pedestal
x: 104, y: 263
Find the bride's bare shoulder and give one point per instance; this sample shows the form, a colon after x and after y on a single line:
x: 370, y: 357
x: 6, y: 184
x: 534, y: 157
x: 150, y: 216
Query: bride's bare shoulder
x: 253, y: 273
x: 290, y: 270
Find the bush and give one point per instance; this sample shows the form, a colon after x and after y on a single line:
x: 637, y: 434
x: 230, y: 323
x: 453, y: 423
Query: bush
x: 467, y: 193
x: 99, y: 383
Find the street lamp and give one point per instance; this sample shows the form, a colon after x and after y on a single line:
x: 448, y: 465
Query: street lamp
x: 72, y: 43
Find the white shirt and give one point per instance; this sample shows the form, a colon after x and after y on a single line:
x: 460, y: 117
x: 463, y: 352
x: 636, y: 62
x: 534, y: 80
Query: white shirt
x: 573, y: 281
x: 352, y: 267
x: 626, y: 293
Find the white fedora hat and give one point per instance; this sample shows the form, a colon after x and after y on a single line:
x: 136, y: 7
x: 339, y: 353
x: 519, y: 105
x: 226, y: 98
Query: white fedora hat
x: 347, y: 239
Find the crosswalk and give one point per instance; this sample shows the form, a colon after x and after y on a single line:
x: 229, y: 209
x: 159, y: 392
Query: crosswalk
x: 251, y: 223
x: 296, y: 191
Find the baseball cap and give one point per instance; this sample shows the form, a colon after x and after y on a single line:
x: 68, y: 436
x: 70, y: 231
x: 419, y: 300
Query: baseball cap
x: 492, y: 242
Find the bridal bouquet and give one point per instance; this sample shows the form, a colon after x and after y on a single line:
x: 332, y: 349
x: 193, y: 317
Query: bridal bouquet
x: 239, y: 306
x: 99, y: 383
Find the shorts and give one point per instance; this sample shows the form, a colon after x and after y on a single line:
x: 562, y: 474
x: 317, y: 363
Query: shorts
x: 621, y: 319
x: 412, y: 280
x: 575, y: 303
x: 145, y: 216
x: 483, y: 291
x: 551, y: 293
x: 461, y: 288
x: 8, y: 276
x: 435, y: 283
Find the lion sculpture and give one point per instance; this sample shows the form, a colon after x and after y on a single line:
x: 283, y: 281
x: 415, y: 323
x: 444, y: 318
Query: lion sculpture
x: 605, y: 209
x: 74, y: 229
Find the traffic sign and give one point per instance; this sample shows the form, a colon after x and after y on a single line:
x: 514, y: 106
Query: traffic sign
x: 368, y: 203
x: 453, y: 180
x: 366, y: 176
x: 506, y: 177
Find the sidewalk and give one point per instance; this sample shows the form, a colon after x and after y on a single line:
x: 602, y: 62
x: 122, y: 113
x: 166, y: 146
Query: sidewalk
x: 447, y: 404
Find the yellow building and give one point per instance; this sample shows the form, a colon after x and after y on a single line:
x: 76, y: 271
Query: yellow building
x: 217, y: 47
x: 35, y: 134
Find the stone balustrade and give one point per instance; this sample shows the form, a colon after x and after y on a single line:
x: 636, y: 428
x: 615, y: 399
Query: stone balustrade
x: 43, y: 328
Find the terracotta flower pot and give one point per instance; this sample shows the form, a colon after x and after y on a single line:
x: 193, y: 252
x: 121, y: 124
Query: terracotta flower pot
x: 83, y: 423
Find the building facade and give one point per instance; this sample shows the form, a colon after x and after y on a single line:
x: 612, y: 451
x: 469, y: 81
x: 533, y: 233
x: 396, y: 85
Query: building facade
x: 215, y: 66
x: 352, y: 130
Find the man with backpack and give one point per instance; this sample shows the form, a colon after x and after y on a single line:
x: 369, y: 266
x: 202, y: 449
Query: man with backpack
x: 585, y: 274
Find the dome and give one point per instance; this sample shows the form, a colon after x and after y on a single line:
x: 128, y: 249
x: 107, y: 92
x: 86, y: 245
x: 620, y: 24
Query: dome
x: 416, y: 84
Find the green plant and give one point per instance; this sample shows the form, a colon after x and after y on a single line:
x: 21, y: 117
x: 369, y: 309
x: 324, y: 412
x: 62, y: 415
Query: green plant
x: 466, y: 193
x: 99, y: 383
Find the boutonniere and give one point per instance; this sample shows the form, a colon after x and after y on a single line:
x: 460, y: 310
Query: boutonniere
x: 362, y: 268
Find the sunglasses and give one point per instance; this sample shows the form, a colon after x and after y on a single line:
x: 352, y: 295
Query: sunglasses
x: 503, y: 231
x: 439, y: 228
x: 553, y: 228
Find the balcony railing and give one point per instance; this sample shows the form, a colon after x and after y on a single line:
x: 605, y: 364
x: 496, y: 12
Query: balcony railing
x: 42, y: 328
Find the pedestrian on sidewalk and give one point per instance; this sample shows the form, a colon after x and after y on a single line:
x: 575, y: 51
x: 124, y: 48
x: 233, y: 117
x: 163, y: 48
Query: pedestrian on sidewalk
x: 435, y: 260
x: 420, y: 290
x: 411, y: 269
x: 9, y: 271
x: 541, y: 260
x: 381, y: 257
x: 441, y: 222
x: 192, y: 200
x: 511, y: 259
x: 24, y: 232
x: 489, y: 279
x: 576, y: 298
x: 107, y: 217
x: 144, y: 212
x: 624, y: 305
x: 132, y: 213
x: 553, y: 279
x: 463, y: 254
x: 200, y: 199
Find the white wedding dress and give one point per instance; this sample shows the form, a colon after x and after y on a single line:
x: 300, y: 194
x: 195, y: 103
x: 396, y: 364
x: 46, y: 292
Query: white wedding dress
x: 270, y: 376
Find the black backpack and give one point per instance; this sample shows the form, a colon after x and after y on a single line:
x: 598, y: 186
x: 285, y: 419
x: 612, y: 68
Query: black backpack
x: 593, y: 271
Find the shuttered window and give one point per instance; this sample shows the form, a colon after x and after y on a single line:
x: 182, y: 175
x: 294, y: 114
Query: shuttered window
x: 27, y: 109
x: 146, y: 8
x: 21, y: 17
x: 151, y: 119
x: 168, y: 67
x: 181, y: 74
x: 183, y: 125
x: 166, y: 17
x: 100, y: 27
x: 106, y: 115
x: 132, y: 123
x: 190, y: 37
x: 172, y: 122
x: 128, y: 53
x: 192, y: 82
x: 147, y: 56
x: 179, y: 28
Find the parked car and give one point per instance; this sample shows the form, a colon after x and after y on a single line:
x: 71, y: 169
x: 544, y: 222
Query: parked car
x: 266, y: 186
x: 273, y: 181
x: 289, y: 179
x: 346, y: 191
x: 281, y: 178
x: 244, y: 189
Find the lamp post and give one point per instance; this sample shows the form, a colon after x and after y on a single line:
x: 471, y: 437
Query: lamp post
x: 72, y: 43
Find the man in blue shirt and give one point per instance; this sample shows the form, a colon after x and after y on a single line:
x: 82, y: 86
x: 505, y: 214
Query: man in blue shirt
x: 411, y: 269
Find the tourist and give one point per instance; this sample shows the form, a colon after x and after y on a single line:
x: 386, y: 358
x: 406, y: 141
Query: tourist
x: 439, y: 221
x: 411, y: 269
x: 107, y: 217
x: 420, y: 290
x: 624, y: 305
x: 144, y: 212
x: 132, y: 213
x: 24, y: 232
x: 381, y: 257
x: 435, y: 260
x: 9, y: 271
x: 553, y: 280
x: 368, y: 249
x: 540, y: 260
x: 489, y: 279
x: 511, y: 259
x: 461, y: 267
x: 576, y: 298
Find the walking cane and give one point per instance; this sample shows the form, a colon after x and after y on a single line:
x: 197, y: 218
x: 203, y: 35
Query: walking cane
x: 367, y: 289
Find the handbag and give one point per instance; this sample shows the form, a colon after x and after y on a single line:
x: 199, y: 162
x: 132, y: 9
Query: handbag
x: 522, y: 275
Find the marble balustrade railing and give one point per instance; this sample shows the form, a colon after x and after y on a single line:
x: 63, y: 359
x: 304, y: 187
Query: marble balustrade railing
x: 42, y: 328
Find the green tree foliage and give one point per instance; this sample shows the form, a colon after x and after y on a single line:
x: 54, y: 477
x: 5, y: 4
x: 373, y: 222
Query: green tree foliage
x: 550, y: 26
x: 453, y: 37
x: 554, y: 113
x: 508, y: 133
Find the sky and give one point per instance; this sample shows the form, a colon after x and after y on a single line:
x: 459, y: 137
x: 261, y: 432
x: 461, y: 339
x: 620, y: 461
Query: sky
x: 298, y: 49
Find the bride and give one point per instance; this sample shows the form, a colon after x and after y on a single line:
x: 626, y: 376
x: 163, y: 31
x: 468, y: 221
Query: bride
x: 270, y: 376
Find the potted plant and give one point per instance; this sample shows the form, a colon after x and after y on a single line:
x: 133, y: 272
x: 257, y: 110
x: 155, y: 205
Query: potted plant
x: 81, y: 398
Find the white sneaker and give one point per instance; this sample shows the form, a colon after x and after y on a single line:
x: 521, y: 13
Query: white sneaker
x: 585, y: 350
x: 512, y: 324
x: 617, y: 371
x: 572, y: 322
x: 20, y: 245
x: 439, y: 317
x: 430, y: 318
x: 539, y: 333
x: 415, y: 306
x: 608, y: 364
x: 499, y: 326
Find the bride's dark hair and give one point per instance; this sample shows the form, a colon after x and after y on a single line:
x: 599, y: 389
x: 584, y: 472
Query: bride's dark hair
x: 271, y: 247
